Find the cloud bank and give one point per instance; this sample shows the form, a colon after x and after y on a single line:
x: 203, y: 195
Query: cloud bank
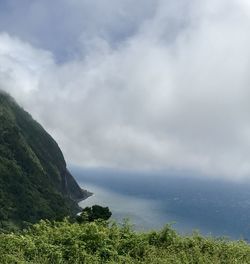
x: 168, y: 90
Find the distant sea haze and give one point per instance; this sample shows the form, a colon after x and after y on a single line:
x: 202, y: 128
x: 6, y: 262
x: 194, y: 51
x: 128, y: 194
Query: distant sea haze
x: 151, y: 200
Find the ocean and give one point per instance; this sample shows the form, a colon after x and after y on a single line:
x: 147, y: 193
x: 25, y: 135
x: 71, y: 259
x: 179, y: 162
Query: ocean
x: 152, y: 199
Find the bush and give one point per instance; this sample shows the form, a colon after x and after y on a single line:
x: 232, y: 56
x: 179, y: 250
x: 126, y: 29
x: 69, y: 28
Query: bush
x: 104, y: 242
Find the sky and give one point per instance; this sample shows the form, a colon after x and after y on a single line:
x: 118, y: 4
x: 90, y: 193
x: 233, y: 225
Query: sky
x: 141, y: 85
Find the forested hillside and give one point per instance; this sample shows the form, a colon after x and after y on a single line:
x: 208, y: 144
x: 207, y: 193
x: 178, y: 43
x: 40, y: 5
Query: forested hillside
x: 34, y: 181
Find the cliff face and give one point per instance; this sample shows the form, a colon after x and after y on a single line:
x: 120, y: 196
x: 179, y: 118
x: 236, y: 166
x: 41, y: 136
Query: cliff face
x: 34, y: 180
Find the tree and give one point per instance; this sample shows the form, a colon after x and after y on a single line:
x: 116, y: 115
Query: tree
x: 90, y: 214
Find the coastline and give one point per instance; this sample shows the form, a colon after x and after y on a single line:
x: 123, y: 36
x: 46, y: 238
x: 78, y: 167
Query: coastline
x: 86, y: 195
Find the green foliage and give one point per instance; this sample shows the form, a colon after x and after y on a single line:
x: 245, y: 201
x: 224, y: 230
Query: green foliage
x: 104, y: 242
x: 34, y: 181
x: 89, y: 214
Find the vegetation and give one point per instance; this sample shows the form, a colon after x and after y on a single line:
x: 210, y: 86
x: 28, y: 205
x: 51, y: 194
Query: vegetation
x: 90, y: 214
x: 103, y: 242
x: 34, y: 181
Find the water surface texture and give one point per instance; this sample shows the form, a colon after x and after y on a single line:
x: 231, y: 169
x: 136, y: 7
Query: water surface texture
x: 153, y: 199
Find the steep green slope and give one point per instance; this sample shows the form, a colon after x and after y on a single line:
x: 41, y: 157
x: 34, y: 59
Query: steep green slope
x: 34, y: 180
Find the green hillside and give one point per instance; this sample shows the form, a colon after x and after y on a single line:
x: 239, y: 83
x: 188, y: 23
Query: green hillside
x: 101, y: 242
x: 34, y: 181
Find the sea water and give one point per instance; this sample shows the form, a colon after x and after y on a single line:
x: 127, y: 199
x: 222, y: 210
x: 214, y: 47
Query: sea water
x: 152, y: 199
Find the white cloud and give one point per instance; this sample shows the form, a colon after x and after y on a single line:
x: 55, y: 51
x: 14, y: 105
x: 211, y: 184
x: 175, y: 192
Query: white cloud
x: 21, y: 65
x: 175, y: 94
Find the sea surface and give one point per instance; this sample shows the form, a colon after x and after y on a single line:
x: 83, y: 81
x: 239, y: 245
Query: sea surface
x: 152, y: 199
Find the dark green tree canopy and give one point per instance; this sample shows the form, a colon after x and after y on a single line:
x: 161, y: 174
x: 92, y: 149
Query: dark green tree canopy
x: 90, y: 214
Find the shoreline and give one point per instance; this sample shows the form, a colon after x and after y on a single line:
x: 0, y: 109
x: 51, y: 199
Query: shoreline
x: 86, y: 195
